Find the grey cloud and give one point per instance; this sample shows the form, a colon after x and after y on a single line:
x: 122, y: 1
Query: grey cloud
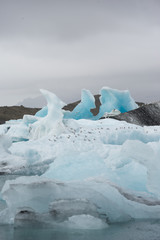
x: 72, y: 19
x: 67, y: 45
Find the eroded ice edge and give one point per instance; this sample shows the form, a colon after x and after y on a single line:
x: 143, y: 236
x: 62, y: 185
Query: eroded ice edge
x: 75, y: 171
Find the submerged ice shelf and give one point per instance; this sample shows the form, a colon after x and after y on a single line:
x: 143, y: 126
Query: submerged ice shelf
x: 100, y: 171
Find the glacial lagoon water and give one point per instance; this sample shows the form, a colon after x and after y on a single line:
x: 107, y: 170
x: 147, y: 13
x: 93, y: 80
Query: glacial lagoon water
x: 137, y: 230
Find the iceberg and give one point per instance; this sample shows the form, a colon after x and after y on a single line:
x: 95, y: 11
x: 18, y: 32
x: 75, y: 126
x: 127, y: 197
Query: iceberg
x: 43, y: 112
x: 115, y: 99
x: 18, y: 131
x: 82, y: 110
x: 84, y: 221
x: 112, y: 101
x: 56, y: 202
x: 9, y: 163
x: 79, y: 173
x: 52, y: 122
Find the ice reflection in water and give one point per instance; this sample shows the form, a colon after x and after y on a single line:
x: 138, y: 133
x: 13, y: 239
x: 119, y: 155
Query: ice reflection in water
x: 139, y: 230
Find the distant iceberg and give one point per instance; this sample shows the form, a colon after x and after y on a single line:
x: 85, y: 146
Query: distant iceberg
x: 115, y: 99
x: 82, y: 110
x: 110, y: 99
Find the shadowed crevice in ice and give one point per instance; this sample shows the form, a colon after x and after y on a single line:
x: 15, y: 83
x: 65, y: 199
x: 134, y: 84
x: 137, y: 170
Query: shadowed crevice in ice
x: 64, y: 208
x: 138, y: 198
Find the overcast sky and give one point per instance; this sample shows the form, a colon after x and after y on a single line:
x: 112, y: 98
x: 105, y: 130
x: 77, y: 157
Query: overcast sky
x: 66, y: 45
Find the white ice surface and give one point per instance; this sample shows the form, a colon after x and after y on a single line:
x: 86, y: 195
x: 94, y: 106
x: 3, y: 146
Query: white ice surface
x: 9, y: 163
x: 52, y: 122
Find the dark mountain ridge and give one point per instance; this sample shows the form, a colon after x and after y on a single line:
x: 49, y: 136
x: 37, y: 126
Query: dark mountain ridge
x: 147, y: 115
x: 15, y: 112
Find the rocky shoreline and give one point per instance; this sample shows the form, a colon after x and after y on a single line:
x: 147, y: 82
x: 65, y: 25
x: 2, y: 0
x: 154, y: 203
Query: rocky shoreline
x: 15, y: 112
